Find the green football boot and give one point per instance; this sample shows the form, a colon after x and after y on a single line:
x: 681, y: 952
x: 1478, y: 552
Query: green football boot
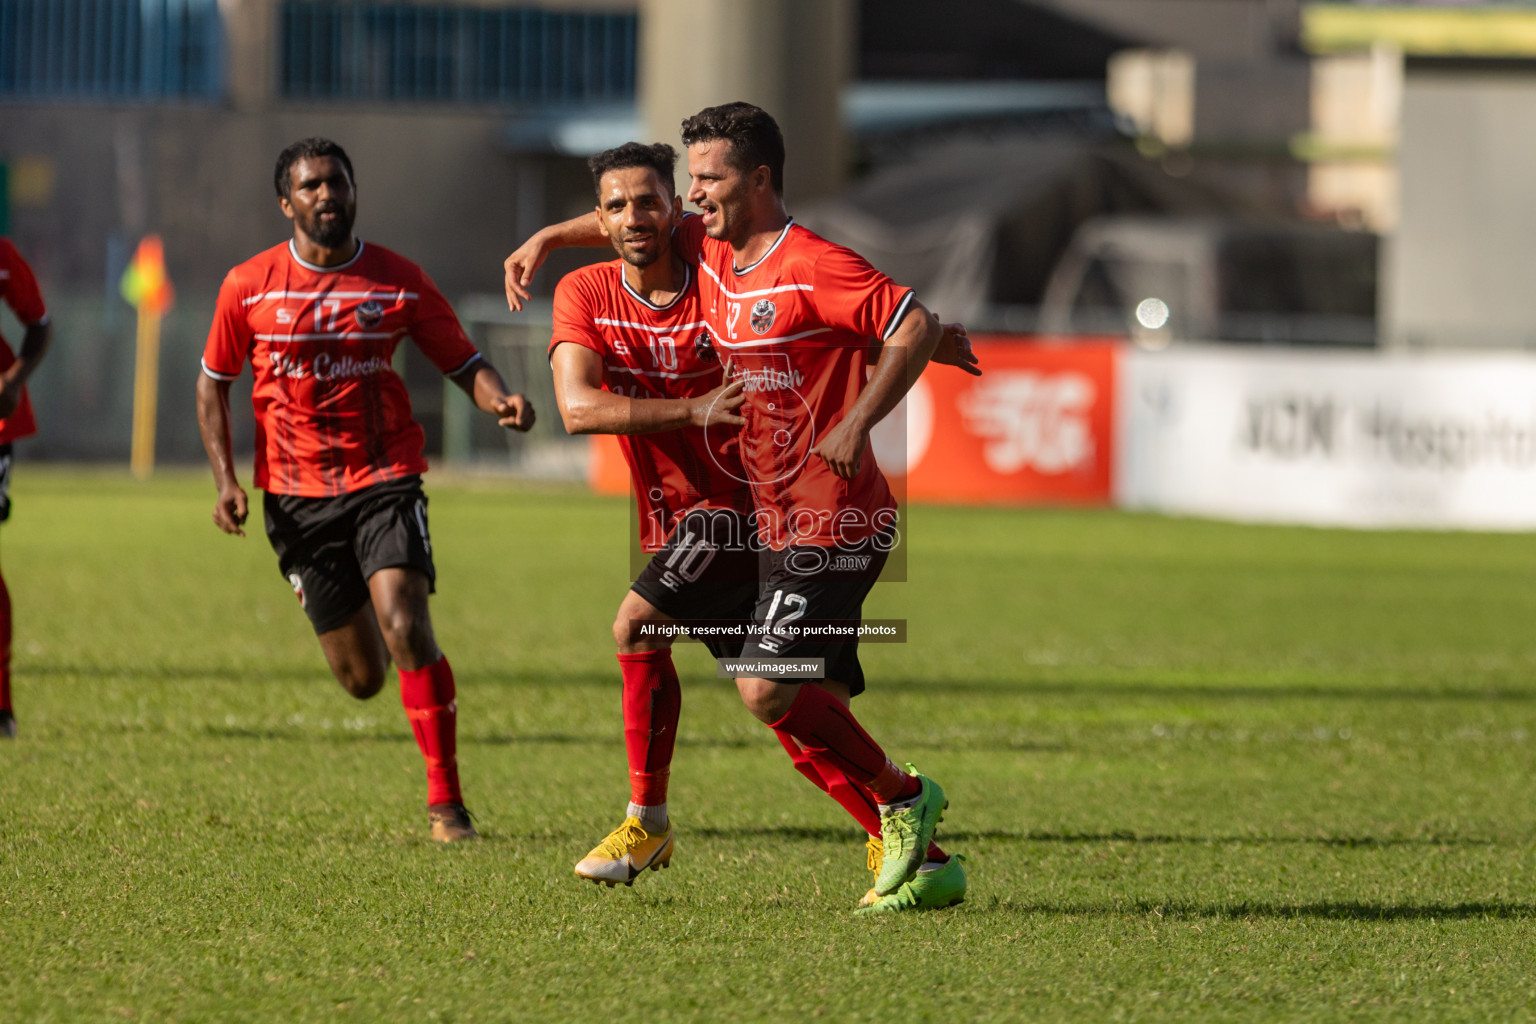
x: 905, y: 832
x: 943, y: 886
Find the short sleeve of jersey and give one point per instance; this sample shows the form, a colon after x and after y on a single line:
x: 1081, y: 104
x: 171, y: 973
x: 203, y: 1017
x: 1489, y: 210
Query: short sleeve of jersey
x: 229, y: 339
x: 21, y: 292
x: 437, y: 331
x: 851, y: 294
x: 574, y: 311
x: 688, y: 237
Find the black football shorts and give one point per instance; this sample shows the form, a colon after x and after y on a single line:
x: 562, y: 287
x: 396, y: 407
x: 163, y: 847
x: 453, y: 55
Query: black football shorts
x: 5, y: 482
x: 328, y: 548
x: 706, y: 571
x: 807, y: 586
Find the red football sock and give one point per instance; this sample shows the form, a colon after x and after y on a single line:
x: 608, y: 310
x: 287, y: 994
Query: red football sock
x: 825, y: 777
x: 652, y: 702
x: 829, y: 733
x: 428, y: 696
x: 5, y: 647
x: 855, y: 799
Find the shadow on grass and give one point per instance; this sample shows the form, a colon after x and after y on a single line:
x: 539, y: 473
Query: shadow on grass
x: 465, y: 740
x: 1155, y: 839
x: 948, y: 837
x: 1024, y: 687
x: 1326, y: 910
x: 561, y: 739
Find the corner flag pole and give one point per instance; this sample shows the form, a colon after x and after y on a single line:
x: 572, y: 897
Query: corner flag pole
x: 148, y: 289
x: 146, y: 391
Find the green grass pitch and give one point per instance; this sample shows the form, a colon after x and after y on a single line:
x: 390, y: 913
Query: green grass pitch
x: 1200, y: 771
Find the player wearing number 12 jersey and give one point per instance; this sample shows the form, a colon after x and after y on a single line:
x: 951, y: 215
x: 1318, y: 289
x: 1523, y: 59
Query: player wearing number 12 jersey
x: 796, y: 313
x: 337, y: 451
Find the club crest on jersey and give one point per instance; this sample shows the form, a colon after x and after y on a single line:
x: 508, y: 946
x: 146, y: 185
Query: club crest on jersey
x: 763, y: 313
x: 368, y: 314
x: 704, y: 348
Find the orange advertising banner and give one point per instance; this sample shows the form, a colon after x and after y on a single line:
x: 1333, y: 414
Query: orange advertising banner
x: 1037, y: 428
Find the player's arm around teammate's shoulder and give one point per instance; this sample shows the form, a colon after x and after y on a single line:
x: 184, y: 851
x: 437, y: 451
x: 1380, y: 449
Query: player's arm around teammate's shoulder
x: 584, y: 231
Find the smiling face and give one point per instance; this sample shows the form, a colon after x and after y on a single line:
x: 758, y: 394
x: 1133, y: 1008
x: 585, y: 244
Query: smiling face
x: 722, y: 191
x: 320, y: 201
x: 638, y: 210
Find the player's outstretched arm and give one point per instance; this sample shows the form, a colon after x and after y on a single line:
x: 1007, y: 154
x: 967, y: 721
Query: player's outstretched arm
x: 587, y: 409
x: 34, y: 345
x: 519, y: 267
x: 488, y: 391
x: 954, y: 349
x: 902, y: 359
x: 230, y: 510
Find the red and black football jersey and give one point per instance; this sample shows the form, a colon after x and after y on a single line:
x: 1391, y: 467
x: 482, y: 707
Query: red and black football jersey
x: 654, y: 351
x: 18, y: 287
x: 332, y: 416
x: 798, y: 324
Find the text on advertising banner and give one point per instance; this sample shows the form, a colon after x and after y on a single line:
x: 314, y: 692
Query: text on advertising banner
x: 1036, y: 428
x: 1329, y: 438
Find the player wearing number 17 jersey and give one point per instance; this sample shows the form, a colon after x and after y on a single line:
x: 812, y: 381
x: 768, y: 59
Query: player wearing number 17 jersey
x: 337, y: 451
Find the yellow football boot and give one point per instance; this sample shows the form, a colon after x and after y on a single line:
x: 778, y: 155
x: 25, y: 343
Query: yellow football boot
x: 628, y: 850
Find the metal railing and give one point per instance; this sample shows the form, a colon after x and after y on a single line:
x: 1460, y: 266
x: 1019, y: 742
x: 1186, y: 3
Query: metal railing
x: 111, y: 50
x: 332, y: 50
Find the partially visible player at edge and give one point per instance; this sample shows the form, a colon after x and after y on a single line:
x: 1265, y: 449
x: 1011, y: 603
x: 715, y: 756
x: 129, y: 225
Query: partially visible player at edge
x: 19, y: 289
x: 806, y: 396
x: 631, y: 357
x: 337, y: 451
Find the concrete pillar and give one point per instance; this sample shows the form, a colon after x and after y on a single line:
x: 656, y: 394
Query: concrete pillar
x: 790, y: 57
x: 1457, y: 270
x: 250, y: 49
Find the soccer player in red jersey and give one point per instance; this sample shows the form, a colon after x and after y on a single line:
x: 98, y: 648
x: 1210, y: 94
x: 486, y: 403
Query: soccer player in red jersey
x: 337, y: 451
x: 18, y: 287
x: 824, y: 510
x: 632, y: 357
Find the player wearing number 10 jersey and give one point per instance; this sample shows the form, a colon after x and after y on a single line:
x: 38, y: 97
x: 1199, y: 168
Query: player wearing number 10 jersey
x: 337, y: 451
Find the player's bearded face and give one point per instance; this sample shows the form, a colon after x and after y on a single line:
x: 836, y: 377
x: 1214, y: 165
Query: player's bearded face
x: 637, y: 210
x: 321, y: 201
x: 329, y: 221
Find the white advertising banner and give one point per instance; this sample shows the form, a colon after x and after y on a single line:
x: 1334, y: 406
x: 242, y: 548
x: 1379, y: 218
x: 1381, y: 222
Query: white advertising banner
x: 1325, y: 438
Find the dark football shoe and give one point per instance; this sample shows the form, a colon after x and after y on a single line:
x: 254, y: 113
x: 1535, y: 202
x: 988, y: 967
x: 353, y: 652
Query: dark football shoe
x: 451, y: 823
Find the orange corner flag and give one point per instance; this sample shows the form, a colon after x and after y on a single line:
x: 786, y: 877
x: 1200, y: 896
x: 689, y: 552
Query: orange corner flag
x: 145, y: 284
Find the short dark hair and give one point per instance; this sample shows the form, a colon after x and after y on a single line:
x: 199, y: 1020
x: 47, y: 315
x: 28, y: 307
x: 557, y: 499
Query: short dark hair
x: 658, y: 156
x: 752, y: 132
x: 304, y: 149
